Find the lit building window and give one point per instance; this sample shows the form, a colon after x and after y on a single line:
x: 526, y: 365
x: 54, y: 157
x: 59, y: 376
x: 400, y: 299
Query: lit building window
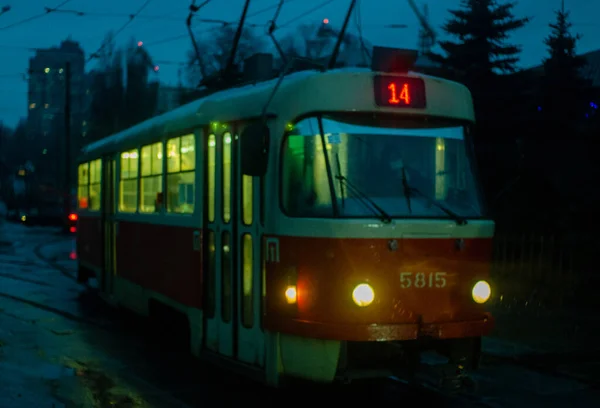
x: 60, y: 71
x: 84, y: 123
x: 47, y: 70
x: 46, y: 106
x: 32, y: 106
x: 45, y: 151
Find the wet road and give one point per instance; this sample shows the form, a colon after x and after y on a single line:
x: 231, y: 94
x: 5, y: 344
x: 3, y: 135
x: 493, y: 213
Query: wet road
x: 60, y: 346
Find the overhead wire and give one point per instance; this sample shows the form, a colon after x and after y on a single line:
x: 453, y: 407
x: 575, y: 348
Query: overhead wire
x: 358, y: 21
x: 306, y: 13
x: 120, y: 29
x: 79, y: 13
x: 224, y: 23
x: 35, y: 17
x: 137, y: 14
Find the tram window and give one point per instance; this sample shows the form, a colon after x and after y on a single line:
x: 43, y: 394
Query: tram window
x: 188, y: 153
x: 151, y: 180
x: 173, y: 155
x: 226, y: 299
x: 247, y: 199
x: 181, y: 178
x: 128, y: 185
x: 210, y: 278
x: 226, y: 177
x: 211, y: 175
x: 247, y: 280
x: 83, y: 179
x: 95, y: 199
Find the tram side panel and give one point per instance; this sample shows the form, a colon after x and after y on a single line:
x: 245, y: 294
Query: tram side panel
x: 89, y: 241
x: 161, y: 259
x: 168, y: 263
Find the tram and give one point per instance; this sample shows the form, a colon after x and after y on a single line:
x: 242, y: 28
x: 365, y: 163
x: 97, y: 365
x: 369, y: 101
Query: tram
x: 320, y: 226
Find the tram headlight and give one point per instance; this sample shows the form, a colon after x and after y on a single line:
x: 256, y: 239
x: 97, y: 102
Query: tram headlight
x: 481, y: 292
x: 291, y: 294
x: 363, y: 295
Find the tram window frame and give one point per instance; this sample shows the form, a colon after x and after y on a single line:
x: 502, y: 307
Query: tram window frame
x: 247, y: 263
x: 93, y: 180
x: 83, y: 186
x: 95, y: 185
x: 211, y: 268
x: 130, y: 179
x: 177, y: 170
x: 210, y: 168
x: 155, y: 173
x: 227, y: 182
x: 227, y: 271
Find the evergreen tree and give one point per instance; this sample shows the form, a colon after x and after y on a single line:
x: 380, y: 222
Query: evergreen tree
x: 564, y: 90
x: 482, y: 27
x: 479, y: 54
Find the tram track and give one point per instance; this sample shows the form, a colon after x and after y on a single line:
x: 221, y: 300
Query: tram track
x: 37, y: 251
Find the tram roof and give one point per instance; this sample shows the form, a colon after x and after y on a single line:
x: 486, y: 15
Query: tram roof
x: 248, y: 101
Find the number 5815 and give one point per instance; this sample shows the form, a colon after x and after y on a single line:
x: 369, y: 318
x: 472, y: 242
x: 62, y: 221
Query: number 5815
x: 423, y: 280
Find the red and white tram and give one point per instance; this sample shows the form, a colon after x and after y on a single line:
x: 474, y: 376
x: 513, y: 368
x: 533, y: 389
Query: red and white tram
x: 338, y: 237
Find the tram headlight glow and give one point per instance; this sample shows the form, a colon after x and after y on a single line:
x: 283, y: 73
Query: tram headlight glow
x: 481, y: 292
x: 363, y: 295
x: 291, y: 294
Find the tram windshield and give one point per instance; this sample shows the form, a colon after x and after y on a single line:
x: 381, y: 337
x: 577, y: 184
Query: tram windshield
x: 375, y: 168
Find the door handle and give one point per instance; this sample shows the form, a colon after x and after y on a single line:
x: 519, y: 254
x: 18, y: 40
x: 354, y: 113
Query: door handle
x: 196, y: 241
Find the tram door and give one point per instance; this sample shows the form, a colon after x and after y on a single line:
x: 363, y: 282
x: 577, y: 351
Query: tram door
x: 230, y: 251
x: 108, y: 225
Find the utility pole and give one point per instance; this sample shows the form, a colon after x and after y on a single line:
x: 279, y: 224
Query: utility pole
x: 67, y: 201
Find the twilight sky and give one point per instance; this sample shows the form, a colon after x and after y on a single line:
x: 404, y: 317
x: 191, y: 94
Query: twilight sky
x: 161, y: 26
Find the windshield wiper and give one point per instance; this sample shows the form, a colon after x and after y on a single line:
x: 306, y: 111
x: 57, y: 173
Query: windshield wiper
x: 365, y: 199
x: 408, y: 190
x: 459, y: 219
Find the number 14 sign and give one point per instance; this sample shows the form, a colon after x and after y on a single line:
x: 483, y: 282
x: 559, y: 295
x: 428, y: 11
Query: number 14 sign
x: 421, y: 280
x: 399, y: 91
